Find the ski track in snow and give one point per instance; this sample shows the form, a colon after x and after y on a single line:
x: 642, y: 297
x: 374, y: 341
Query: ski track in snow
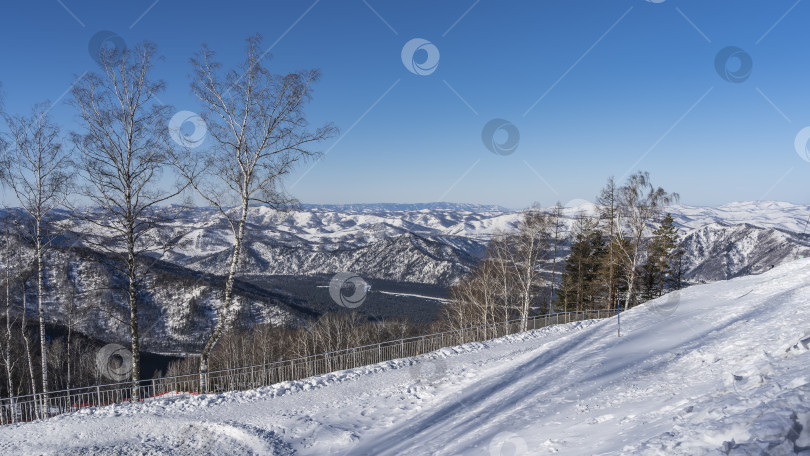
x: 726, y: 373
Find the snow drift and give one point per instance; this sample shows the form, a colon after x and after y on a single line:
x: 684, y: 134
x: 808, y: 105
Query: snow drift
x: 721, y: 368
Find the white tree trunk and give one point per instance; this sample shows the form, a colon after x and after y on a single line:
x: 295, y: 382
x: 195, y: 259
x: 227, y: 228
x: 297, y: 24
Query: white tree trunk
x: 631, y: 281
x: 133, y: 316
x: 228, y: 299
x: 28, y: 355
x: 8, y: 339
x: 43, y: 345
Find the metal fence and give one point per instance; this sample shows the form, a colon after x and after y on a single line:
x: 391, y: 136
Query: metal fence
x: 32, y: 407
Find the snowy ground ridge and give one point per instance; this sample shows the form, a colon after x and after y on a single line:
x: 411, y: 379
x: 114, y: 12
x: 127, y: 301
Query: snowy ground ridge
x: 715, y: 369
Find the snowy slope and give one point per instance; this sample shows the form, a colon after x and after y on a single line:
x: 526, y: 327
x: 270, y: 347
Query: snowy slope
x: 721, y: 368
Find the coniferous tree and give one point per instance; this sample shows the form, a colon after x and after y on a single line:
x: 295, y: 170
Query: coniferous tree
x: 558, y: 234
x: 608, y: 201
x: 648, y: 280
x: 677, y: 266
x: 582, y: 285
x: 664, y: 244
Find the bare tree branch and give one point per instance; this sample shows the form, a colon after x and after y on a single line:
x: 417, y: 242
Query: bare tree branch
x: 259, y: 130
x: 123, y: 149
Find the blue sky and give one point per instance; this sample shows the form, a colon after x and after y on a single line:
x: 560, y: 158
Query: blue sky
x: 594, y: 88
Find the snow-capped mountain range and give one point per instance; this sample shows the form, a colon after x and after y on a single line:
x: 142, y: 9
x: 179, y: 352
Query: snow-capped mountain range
x: 423, y: 244
x: 426, y: 244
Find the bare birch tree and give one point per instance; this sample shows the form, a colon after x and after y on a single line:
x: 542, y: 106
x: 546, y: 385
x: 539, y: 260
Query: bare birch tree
x: 259, y: 131
x: 508, y: 280
x: 475, y: 299
x: 123, y: 149
x: 38, y: 172
x: 522, y: 251
x: 639, y: 204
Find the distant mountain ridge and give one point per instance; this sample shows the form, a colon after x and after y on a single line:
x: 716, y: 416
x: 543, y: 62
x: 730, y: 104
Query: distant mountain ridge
x: 413, y: 243
x: 374, y: 207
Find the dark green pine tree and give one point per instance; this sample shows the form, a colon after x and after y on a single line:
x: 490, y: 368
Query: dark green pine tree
x: 662, y: 270
x: 582, y: 284
x: 677, y: 266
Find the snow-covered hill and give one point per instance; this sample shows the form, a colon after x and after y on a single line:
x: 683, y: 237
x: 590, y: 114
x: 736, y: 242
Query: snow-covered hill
x: 721, y: 368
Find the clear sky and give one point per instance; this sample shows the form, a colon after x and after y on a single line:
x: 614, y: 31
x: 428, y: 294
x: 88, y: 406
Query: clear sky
x: 593, y: 88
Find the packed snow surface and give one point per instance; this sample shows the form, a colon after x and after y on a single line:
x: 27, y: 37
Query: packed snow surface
x: 721, y: 368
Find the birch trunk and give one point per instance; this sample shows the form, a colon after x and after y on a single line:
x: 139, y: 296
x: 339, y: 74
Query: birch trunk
x: 8, y: 337
x: 132, y: 294
x: 630, y: 284
x: 28, y: 355
x: 219, y: 329
x: 43, y: 344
